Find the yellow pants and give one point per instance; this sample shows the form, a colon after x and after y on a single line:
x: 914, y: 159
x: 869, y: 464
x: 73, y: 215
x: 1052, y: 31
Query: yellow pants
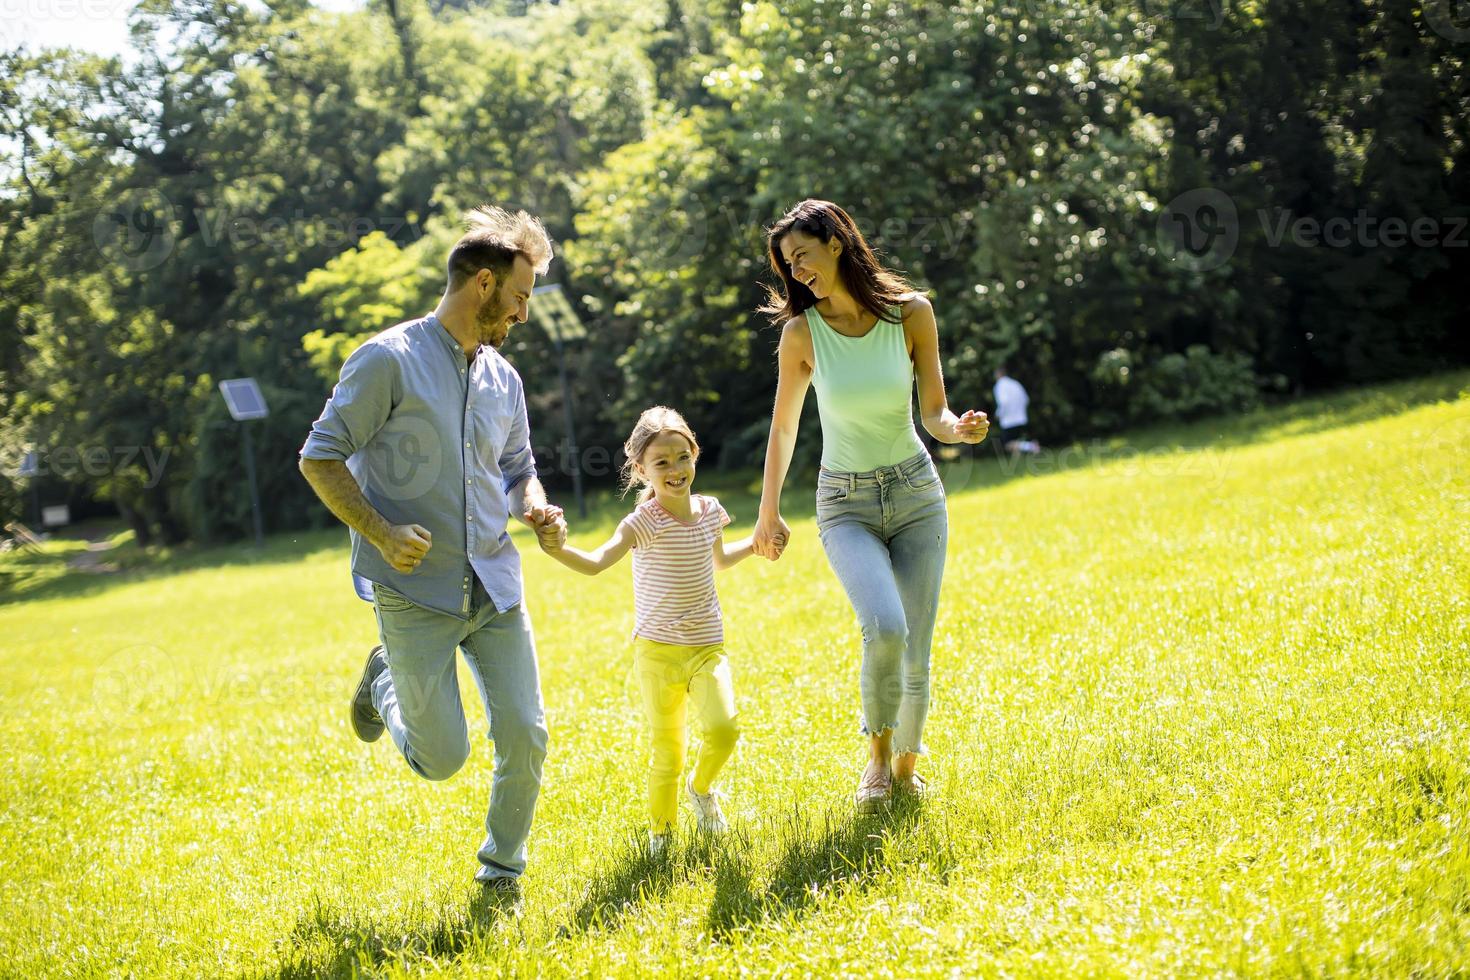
x: 672, y: 679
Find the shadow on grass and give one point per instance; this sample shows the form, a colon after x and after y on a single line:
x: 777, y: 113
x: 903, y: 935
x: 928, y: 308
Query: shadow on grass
x: 45, y: 575
x: 334, y: 942
x: 636, y: 877
x: 816, y: 857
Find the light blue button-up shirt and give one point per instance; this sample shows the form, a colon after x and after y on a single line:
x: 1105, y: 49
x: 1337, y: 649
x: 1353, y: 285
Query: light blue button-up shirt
x: 436, y: 440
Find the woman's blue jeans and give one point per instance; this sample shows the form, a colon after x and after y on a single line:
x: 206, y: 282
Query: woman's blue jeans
x: 885, y: 534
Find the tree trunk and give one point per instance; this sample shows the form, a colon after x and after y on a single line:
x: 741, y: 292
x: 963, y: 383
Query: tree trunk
x: 403, y: 28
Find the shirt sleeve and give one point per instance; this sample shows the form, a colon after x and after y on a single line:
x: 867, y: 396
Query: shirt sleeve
x: 517, y: 461
x: 718, y: 510
x: 642, y: 527
x: 358, y: 407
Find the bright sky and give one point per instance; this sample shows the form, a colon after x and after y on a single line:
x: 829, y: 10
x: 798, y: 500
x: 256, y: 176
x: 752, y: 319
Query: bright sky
x: 100, y: 26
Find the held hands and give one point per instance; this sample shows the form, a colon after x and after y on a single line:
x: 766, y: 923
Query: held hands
x: 405, y: 546
x: 551, y: 526
x: 972, y: 427
x: 770, y: 537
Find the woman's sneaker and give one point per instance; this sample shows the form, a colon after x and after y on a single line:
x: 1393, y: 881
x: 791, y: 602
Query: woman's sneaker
x: 874, y: 790
x: 657, y: 843
x: 912, y: 784
x: 707, y: 815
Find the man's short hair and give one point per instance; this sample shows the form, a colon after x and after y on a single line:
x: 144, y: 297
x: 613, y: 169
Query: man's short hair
x: 494, y: 239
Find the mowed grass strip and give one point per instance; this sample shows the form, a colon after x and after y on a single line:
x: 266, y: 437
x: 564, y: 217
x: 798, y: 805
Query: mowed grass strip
x: 1194, y: 711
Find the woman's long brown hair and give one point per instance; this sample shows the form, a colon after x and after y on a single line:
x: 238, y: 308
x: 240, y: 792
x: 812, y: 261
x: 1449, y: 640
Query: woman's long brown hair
x: 875, y: 288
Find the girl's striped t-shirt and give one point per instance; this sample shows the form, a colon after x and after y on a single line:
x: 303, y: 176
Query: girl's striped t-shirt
x: 674, y: 598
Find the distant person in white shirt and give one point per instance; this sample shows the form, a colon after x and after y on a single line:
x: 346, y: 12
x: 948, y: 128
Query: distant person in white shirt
x: 1010, y: 414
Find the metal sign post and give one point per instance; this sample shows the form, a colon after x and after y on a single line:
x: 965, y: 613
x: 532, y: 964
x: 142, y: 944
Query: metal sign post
x: 562, y: 325
x: 246, y: 402
x: 30, y: 468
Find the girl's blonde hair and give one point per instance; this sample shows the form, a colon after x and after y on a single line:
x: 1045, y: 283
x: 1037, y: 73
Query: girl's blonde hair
x: 653, y: 423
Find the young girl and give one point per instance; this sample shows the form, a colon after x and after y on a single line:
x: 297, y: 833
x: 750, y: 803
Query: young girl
x: 677, y: 539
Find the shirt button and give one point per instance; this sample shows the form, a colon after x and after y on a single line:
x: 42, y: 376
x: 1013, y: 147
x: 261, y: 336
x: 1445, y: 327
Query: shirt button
x: 467, y: 483
x: 467, y: 445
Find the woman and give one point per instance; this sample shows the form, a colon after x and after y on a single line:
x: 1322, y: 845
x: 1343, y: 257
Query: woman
x: 862, y: 335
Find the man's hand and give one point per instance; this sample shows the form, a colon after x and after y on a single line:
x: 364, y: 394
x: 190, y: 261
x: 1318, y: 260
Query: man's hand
x: 405, y: 546
x: 550, y: 524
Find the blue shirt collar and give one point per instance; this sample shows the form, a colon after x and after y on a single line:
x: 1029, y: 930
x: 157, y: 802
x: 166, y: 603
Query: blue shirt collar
x: 437, y: 326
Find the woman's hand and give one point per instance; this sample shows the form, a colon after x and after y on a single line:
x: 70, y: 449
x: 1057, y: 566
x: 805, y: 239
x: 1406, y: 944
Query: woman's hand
x: 972, y: 427
x: 770, y: 537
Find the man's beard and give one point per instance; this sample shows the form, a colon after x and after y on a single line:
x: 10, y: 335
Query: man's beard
x: 490, y: 322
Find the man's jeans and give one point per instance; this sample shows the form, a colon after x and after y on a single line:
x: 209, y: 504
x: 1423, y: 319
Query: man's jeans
x: 418, y: 697
x: 885, y: 533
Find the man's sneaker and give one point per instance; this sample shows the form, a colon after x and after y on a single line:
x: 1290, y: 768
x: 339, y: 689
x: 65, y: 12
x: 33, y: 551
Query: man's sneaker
x: 707, y: 815
x: 657, y: 843
x: 502, y: 893
x: 366, y: 722
x: 873, y: 794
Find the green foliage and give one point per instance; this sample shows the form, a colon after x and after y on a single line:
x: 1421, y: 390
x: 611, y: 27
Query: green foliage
x: 362, y: 292
x: 263, y: 186
x: 1176, y: 386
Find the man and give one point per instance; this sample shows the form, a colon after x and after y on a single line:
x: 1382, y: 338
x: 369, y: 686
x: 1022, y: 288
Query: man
x: 423, y: 451
x: 1011, y: 401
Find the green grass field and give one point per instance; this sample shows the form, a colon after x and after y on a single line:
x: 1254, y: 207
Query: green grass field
x: 1201, y: 705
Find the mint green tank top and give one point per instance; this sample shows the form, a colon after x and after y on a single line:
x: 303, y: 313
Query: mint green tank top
x: 865, y: 389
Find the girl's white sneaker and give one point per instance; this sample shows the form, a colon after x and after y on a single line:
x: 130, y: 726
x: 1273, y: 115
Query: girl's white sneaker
x: 657, y: 843
x: 707, y: 815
